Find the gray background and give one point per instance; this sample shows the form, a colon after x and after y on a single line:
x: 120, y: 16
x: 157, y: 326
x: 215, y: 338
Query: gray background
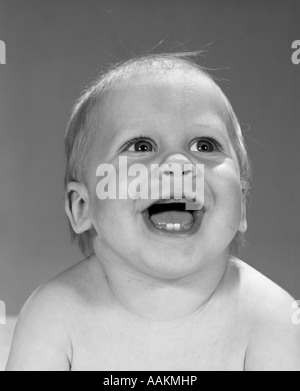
x: 55, y: 47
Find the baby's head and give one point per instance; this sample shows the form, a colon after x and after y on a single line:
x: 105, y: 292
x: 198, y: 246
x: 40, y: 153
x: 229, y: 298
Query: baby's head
x: 172, y: 106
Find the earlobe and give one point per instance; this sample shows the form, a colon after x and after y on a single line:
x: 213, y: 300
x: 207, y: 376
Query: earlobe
x: 77, y: 207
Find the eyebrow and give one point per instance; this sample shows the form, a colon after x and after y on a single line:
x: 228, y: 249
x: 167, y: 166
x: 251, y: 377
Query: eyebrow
x: 218, y: 127
x: 131, y: 130
x: 132, y: 126
x: 206, y: 125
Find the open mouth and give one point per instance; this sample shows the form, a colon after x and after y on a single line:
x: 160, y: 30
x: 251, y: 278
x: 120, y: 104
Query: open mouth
x: 171, y: 216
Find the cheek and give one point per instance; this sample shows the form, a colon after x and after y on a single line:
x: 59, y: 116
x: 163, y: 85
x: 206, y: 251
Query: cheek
x: 112, y: 218
x: 226, y: 188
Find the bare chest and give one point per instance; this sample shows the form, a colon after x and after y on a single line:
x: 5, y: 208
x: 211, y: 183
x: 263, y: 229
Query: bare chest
x: 208, y: 345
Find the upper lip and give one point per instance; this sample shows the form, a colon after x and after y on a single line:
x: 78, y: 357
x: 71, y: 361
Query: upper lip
x: 186, y: 198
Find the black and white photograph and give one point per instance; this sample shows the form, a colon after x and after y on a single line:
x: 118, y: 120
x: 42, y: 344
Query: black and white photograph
x: 149, y: 188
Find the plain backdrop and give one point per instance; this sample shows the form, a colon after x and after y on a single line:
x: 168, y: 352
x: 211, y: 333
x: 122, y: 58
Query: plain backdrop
x: 55, y: 47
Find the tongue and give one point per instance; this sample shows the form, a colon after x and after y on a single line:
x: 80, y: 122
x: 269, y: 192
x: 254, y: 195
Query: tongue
x: 174, y: 217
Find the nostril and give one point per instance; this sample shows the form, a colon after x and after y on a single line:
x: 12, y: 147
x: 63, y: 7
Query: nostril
x: 186, y: 172
x: 182, y: 171
x: 176, y: 168
x: 170, y: 173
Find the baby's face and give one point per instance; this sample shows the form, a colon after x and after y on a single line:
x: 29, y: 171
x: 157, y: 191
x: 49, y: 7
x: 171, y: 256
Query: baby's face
x: 176, y: 113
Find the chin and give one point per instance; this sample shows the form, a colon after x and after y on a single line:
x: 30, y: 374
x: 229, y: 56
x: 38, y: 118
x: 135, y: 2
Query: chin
x: 169, y: 264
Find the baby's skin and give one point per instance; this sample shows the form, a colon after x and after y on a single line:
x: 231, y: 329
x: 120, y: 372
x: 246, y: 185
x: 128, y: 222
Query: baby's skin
x: 151, y: 299
x: 76, y: 323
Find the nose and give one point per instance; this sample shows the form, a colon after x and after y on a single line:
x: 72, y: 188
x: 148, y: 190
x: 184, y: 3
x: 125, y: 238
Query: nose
x: 178, y: 176
x: 177, y: 163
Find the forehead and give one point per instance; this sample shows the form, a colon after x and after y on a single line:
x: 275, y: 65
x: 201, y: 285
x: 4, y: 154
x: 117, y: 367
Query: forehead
x: 162, y: 93
x: 170, y: 104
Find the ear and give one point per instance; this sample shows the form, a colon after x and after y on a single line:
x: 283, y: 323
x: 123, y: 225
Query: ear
x: 77, y: 207
x: 243, y: 222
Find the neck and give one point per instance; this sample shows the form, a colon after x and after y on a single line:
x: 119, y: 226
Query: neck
x: 161, y: 299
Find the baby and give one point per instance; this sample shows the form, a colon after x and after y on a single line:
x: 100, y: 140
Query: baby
x: 161, y: 287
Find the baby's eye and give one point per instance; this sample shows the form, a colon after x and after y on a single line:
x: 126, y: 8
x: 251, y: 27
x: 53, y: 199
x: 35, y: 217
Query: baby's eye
x: 205, y: 145
x: 139, y: 145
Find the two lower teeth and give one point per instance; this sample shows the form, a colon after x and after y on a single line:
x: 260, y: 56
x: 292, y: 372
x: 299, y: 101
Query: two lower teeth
x: 172, y: 227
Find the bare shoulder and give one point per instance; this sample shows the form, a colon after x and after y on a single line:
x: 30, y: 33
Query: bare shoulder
x: 42, y: 338
x: 263, y: 297
x: 59, y: 298
x: 269, y: 312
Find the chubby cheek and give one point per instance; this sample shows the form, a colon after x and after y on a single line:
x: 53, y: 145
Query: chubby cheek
x: 226, y: 194
x: 112, y: 219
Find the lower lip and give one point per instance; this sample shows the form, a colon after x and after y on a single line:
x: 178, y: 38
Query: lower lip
x: 182, y: 233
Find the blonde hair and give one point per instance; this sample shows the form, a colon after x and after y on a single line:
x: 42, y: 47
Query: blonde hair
x: 82, y: 126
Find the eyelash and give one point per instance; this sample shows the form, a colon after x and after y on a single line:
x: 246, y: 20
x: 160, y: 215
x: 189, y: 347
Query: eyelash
x: 135, y: 140
x: 211, y: 139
